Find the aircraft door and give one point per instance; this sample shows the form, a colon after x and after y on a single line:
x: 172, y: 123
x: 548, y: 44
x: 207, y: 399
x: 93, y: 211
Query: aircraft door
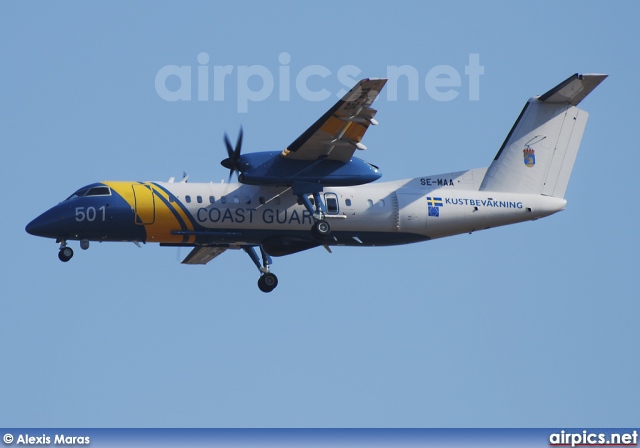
x: 347, y: 205
x: 331, y: 203
x: 145, y: 211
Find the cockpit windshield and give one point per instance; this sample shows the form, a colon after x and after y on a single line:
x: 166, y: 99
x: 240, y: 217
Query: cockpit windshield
x: 93, y: 191
x: 98, y: 191
x: 77, y: 194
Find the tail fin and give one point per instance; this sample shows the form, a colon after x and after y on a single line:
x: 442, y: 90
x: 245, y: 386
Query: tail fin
x: 538, y: 154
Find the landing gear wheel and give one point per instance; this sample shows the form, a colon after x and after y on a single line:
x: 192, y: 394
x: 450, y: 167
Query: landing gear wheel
x: 321, y: 229
x: 65, y: 254
x: 267, y: 282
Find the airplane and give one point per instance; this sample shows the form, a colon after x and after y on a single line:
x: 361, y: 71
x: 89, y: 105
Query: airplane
x: 316, y: 193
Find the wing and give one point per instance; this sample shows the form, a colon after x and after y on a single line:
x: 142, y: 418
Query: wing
x: 203, y: 254
x: 338, y: 133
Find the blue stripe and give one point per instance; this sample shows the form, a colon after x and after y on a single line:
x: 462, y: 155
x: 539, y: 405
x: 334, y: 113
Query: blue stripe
x: 194, y: 224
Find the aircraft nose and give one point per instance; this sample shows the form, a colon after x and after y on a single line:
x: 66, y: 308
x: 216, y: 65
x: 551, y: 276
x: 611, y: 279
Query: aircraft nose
x: 47, y: 224
x: 36, y: 227
x: 32, y: 227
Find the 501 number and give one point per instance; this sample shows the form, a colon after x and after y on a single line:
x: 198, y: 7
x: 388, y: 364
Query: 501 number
x: 90, y: 213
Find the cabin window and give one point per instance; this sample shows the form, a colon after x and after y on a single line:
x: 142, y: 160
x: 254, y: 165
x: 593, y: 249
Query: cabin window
x: 212, y: 199
x: 381, y: 203
x: 236, y: 200
x: 347, y: 202
x: 223, y: 199
x: 247, y: 200
x: 370, y: 202
x: 199, y: 199
x: 263, y: 201
x: 188, y: 199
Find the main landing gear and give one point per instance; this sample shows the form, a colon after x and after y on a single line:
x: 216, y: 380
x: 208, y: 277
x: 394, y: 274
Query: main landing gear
x: 65, y: 253
x: 267, y: 281
x: 320, y: 228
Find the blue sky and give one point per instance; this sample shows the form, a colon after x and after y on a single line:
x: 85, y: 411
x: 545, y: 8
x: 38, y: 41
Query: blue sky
x: 533, y: 325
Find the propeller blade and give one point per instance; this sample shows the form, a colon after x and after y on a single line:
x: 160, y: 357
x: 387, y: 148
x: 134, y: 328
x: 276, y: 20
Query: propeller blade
x: 236, y: 154
x: 228, y: 145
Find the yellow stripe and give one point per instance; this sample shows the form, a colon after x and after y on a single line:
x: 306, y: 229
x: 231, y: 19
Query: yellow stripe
x: 123, y: 189
x: 165, y: 221
x: 333, y: 125
x: 355, y: 132
x: 161, y: 193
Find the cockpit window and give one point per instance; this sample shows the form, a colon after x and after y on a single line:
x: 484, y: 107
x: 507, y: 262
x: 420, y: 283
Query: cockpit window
x: 77, y: 194
x: 98, y: 191
x: 93, y: 191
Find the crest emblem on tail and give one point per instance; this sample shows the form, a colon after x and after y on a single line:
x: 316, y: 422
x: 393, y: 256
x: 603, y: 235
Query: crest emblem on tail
x: 529, y: 157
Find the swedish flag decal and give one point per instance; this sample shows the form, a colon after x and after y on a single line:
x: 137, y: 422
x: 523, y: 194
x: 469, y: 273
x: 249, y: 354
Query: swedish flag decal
x: 434, y: 205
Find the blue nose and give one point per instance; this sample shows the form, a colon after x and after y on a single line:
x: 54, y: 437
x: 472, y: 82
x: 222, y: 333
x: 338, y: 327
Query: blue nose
x: 49, y: 224
x: 38, y: 227
x: 33, y: 227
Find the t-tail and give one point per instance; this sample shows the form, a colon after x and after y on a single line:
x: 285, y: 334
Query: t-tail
x: 539, y: 152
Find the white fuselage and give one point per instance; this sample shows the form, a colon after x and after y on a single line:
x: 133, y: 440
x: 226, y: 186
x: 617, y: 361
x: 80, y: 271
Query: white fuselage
x: 382, y: 213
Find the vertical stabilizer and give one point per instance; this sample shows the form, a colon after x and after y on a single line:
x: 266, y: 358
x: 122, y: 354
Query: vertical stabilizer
x: 539, y: 152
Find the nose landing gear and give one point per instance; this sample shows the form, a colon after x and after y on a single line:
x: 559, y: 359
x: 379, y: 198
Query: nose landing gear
x: 267, y: 282
x: 65, y: 253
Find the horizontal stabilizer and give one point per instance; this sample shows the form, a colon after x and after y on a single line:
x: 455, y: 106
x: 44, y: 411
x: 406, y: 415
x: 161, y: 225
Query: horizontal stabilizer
x: 573, y: 90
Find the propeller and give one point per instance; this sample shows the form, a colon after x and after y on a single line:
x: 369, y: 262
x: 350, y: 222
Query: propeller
x: 232, y: 163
